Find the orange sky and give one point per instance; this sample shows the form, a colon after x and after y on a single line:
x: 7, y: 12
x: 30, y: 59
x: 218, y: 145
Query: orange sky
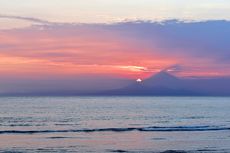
x: 67, y: 49
x: 44, y: 52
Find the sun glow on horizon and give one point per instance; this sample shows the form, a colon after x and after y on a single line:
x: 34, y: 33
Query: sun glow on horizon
x: 128, y: 50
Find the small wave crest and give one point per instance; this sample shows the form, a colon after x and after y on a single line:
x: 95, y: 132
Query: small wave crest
x: 141, y: 129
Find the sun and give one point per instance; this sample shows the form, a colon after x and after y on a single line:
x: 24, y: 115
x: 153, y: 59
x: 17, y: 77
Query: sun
x: 139, y: 80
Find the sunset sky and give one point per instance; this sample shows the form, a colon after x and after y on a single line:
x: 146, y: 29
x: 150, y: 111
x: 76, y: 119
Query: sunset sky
x: 122, y: 39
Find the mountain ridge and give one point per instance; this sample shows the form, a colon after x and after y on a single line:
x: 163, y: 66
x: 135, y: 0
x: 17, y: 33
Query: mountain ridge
x: 166, y: 84
x: 160, y: 84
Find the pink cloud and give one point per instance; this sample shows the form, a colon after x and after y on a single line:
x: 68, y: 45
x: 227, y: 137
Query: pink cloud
x: 126, y: 49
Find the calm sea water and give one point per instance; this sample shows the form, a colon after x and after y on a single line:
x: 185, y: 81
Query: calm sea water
x: 114, y: 124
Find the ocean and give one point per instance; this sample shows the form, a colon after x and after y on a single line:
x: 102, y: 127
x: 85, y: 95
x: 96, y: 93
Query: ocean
x: 114, y: 124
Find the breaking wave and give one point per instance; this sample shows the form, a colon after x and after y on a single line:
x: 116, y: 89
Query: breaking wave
x: 143, y: 129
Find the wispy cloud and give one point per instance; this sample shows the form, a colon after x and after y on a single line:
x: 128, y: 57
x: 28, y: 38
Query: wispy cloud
x: 127, y: 48
x: 31, y: 19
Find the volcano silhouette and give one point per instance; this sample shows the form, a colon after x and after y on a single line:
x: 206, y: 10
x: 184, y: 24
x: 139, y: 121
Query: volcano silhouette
x: 162, y: 79
x: 161, y: 83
